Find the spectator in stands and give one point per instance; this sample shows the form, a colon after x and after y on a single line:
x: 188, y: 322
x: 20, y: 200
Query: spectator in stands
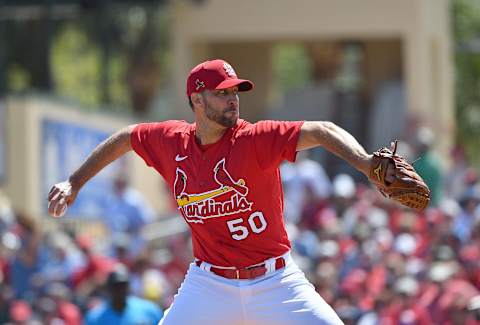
x: 21, y: 313
x: 26, y: 262
x: 6, y: 299
x: 428, y: 164
x: 129, y: 210
x: 122, y: 308
x: 306, y: 175
x: 87, y: 280
x: 62, y: 298
x: 7, y: 217
x: 405, y: 308
x: 63, y: 257
x: 473, y: 309
x: 463, y: 223
x: 149, y: 282
x: 458, y: 173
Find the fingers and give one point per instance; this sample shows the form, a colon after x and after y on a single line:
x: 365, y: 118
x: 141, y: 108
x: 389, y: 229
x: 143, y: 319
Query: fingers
x: 56, y: 206
x: 52, y: 199
x: 53, y: 191
x: 60, y: 208
x: 59, y: 199
x: 51, y: 207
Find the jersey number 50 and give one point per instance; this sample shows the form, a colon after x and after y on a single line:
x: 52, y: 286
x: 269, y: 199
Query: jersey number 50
x: 256, y: 221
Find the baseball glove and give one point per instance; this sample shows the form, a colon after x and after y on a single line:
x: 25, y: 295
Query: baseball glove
x: 407, y: 187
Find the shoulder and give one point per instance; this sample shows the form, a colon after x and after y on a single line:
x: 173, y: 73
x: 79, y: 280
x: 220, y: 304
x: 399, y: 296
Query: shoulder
x: 169, y: 127
x: 95, y: 315
x: 139, y: 303
x: 267, y: 127
x: 145, y: 307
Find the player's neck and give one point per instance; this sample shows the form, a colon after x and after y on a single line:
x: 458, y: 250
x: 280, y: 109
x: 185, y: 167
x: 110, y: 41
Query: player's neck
x: 208, y: 132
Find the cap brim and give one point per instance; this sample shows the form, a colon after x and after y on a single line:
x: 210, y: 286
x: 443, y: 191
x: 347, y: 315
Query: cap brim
x: 243, y: 84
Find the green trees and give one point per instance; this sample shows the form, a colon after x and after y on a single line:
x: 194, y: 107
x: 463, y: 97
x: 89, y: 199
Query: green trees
x: 466, y: 28
x: 109, y: 55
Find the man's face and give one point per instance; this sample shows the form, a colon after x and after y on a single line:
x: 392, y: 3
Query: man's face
x: 222, y: 106
x: 118, y: 291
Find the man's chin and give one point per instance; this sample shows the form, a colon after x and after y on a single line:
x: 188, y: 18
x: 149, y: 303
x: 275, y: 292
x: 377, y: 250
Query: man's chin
x: 225, y: 121
x: 234, y: 121
x: 229, y: 122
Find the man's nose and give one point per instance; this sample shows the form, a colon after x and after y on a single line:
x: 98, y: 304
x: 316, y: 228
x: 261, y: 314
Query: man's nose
x: 232, y: 100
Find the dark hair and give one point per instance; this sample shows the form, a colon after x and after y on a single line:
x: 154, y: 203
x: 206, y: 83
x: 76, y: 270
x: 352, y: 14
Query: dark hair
x: 118, y: 275
x: 190, y: 102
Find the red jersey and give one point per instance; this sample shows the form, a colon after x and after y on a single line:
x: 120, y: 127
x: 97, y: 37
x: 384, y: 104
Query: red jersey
x: 230, y: 192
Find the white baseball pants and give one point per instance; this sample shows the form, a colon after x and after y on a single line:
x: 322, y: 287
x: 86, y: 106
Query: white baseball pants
x: 282, y: 297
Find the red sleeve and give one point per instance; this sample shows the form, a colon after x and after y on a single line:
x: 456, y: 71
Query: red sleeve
x: 146, y: 139
x: 276, y: 141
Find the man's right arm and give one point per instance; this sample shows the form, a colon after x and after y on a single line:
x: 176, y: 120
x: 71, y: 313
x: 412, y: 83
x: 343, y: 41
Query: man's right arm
x: 63, y: 194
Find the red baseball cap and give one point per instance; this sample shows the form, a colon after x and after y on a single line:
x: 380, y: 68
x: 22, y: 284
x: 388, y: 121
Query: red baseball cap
x: 215, y: 74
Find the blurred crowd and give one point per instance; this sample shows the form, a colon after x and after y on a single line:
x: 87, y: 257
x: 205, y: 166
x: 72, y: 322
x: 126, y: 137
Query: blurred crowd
x: 373, y: 261
x: 83, y: 275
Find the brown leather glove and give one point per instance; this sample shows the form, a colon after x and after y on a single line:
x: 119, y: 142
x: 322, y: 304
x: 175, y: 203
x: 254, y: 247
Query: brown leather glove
x: 407, y: 187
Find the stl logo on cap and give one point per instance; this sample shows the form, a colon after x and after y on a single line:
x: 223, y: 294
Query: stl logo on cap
x: 215, y: 74
x: 229, y: 70
x: 200, y: 84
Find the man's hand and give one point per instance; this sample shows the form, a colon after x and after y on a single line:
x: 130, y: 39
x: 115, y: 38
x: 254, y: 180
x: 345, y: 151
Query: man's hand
x: 395, y: 178
x: 61, y: 196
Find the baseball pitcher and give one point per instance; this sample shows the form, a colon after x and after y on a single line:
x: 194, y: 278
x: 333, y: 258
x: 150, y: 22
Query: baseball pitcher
x: 224, y: 175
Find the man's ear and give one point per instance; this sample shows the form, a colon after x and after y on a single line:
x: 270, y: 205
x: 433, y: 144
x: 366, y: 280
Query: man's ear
x: 197, y: 99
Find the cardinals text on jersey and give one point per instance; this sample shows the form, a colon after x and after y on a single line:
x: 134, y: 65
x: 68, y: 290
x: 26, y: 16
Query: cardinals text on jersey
x: 199, y: 206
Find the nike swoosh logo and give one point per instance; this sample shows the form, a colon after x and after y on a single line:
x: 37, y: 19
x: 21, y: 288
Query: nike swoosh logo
x: 178, y: 158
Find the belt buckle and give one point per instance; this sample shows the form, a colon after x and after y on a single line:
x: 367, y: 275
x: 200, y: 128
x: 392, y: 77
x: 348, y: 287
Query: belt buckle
x: 237, y: 273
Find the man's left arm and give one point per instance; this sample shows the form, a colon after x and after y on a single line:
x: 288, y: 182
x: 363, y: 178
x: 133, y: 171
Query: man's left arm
x: 390, y: 173
x: 336, y: 140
